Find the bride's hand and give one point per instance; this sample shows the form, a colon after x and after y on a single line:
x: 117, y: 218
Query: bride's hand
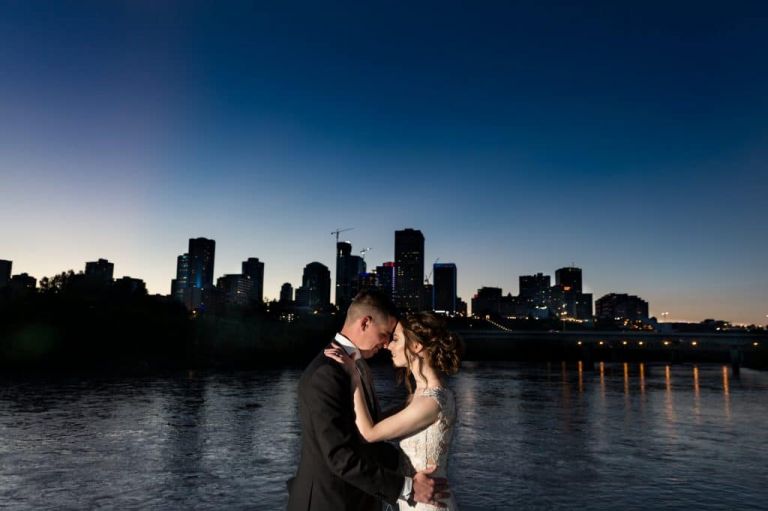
x: 340, y: 356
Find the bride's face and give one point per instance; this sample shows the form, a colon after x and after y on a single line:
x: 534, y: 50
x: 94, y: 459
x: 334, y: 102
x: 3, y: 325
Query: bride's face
x: 400, y: 353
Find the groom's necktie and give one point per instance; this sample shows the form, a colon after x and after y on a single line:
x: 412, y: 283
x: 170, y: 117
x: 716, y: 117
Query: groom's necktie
x: 370, y: 396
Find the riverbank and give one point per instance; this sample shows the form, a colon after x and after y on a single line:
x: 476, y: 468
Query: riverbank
x: 129, y: 335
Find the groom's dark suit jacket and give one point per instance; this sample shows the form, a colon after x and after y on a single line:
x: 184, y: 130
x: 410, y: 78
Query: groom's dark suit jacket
x: 338, y: 470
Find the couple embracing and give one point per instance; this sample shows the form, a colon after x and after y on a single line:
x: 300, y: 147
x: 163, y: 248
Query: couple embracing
x: 346, y: 461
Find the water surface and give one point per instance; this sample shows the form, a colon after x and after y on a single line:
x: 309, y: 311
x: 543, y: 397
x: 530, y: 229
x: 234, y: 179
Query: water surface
x: 529, y: 437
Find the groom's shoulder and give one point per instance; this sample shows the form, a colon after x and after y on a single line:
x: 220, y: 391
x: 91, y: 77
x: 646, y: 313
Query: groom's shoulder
x: 322, y: 368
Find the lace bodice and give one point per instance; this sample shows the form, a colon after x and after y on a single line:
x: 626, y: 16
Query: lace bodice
x: 429, y: 447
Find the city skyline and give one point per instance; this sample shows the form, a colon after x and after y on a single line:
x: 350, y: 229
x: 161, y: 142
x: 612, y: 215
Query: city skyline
x: 626, y: 140
x: 567, y: 278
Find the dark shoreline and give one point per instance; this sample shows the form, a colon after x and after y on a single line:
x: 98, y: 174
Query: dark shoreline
x: 124, y: 334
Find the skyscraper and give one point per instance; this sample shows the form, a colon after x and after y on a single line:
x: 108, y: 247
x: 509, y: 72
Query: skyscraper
x: 201, y: 257
x: 254, y: 270
x: 534, y: 289
x: 315, y: 290
x: 409, y: 261
x: 366, y: 281
x: 286, y: 293
x: 194, y: 274
x: 5, y: 272
x: 584, y: 306
x: 444, y: 291
x: 181, y: 282
x: 569, y: 278
x: 236, y: 289
x: 385, y: 278
x: 568, y: 288
x: 348, y: 270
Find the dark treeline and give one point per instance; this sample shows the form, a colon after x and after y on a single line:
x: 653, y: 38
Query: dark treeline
x: 75, y: 324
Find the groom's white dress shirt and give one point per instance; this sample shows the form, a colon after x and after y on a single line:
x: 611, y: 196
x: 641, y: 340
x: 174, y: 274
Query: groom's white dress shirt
x: 354, y: 352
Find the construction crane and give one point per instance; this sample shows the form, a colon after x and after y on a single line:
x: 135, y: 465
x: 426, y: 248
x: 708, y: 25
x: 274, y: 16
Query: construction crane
x: 426, y: 280
x: 365, y: 251
x: 338, y: 231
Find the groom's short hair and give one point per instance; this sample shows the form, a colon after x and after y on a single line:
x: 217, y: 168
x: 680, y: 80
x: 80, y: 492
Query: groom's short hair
x: 370, y: 302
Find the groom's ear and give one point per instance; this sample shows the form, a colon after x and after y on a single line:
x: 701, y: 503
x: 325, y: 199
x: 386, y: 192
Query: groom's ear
x: 365, y: 323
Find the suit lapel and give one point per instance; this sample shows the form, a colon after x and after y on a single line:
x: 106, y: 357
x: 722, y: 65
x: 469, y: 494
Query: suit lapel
x: 370, y: 397
x: 365, y: 378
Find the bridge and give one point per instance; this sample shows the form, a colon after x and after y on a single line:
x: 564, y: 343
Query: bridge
x: 489, y: 342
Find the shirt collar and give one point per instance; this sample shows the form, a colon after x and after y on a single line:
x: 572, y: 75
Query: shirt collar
x: 348, y: 346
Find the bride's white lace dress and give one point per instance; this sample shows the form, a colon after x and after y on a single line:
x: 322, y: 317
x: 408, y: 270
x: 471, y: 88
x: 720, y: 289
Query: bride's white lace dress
x: 429, y: 447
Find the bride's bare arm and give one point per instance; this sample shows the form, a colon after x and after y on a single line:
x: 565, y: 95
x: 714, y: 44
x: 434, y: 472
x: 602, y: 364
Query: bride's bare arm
x: 420, y: 413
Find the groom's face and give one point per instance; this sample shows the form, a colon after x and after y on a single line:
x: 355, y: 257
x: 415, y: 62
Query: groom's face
x: 376, y: 334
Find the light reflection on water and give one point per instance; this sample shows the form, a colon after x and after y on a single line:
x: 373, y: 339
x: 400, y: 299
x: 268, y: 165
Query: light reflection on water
x: 557, y: 436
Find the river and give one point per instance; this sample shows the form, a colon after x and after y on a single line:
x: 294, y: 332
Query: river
x: 556, y: 436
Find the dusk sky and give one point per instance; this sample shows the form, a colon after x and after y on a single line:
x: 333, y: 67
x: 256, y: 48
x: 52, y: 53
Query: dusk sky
x: 627, y: 138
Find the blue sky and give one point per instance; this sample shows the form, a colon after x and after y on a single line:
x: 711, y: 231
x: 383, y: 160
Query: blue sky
x: 520, y: 137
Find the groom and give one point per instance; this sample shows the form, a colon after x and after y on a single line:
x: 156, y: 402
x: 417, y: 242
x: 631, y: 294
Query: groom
x: 338, y: 470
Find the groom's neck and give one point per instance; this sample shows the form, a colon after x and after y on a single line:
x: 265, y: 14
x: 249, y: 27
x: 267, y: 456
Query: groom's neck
x: 349, y: 334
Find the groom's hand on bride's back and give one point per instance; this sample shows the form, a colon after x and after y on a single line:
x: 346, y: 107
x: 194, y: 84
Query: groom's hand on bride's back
x: 430, y: 490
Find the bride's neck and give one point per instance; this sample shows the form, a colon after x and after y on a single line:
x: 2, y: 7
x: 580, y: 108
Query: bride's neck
x: 426, y: 377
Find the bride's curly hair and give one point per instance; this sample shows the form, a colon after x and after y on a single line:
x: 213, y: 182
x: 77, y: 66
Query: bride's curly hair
x: 441, y: 348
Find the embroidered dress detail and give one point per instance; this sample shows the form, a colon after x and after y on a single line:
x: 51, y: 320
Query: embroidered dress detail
x: 429, y: 447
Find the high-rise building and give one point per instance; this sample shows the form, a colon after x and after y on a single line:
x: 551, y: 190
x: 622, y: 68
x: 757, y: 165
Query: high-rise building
x: 181, y: 282
x: 254, y: 270
x: 5, y: 272
x: 427, y: 298
x: 444, y: 291
x: 315, y: 290
x: 193, y: 284
x: 567, y: 297
x: 535, y: 292
x: 343, y: 251
x: 619, y: 306
x: 386, y: 278
x: 286, y: 293
x: 570, y: 304
x: 367, y: 281
x: 569, y: 278
x: 348, y: 270
x: 461, y: 307
x: 486, y: 301
x: 202, y: 252
x: 235, y: 288
x: 22, y: 284
x: 583, y: 306
x: 101, y: 271
x: 409, y: 260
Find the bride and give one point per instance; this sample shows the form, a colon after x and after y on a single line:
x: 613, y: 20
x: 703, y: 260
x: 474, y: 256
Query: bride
x: 423, y: 351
